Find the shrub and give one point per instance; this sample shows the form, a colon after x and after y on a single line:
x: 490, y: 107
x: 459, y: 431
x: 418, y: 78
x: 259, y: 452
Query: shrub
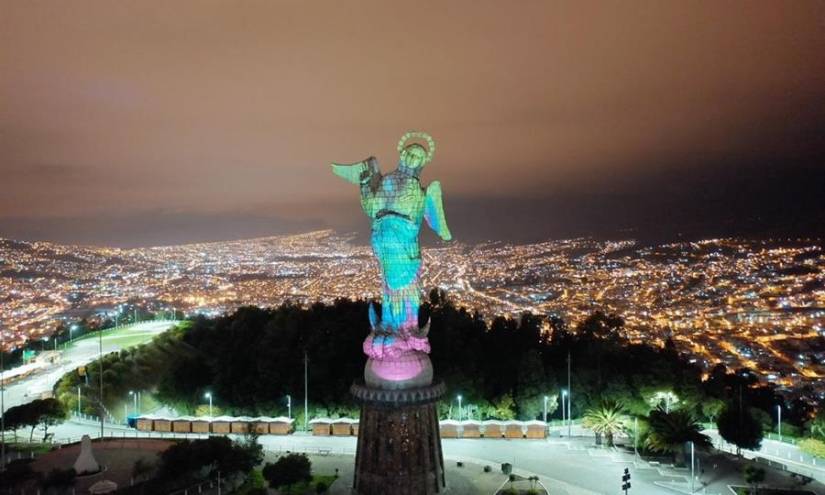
x: 16, y: 472
x: 321, y: 487
x: 59, y: 479
x: 288, y: 470
x: 812, y: 446
x: 459, y: 464
x: 487, y: 469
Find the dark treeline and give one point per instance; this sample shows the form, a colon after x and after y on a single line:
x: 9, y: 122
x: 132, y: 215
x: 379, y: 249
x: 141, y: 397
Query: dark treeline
x: 250, y: 360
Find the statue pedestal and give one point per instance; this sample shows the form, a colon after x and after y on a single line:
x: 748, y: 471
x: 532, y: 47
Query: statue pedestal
x: 399, y: 444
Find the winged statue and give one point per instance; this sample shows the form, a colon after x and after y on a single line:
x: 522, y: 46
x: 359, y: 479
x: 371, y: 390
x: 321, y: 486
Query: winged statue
x: 397, y: 204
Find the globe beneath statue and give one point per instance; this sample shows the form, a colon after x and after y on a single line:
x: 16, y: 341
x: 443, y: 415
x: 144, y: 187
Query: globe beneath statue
x: 411, y: 370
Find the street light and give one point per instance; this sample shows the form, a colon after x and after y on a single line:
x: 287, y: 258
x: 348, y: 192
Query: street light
x: 779, y: 421
x: 2, y: 401
x: 208, y: 395
x: 545, y: 410
x: 135, y: 397
x: 692, y: 464
x: 563, y: 410
x: 288, y: 406
x: 459, y: 407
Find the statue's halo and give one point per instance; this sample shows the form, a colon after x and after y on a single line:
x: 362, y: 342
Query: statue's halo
x: 418, y: 134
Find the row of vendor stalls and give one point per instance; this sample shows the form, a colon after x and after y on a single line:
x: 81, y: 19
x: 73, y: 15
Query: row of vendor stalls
x: 449, y: 428
x: 330, y: 427
x: 492, y: 429
x: 219, y: 424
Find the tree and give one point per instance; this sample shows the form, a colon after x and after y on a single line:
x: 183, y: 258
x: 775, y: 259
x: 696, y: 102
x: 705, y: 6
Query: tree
x: 669, y: 433
x: 602, y: 326
x: 754, y: 476
x: 608, y: 419
x: 738, y: 426
x: 817, y: 425
x: 503, y: 408
x: 531, y: 387
x: 203, y: 457
x: 47, y: 412
x: 288, y: 470
x: 712, y: 408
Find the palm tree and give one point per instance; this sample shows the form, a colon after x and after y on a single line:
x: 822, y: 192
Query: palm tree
x: 669, y: 432
x: 607, y: 419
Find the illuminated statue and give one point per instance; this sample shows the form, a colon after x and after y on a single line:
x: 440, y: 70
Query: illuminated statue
x: 397, y: 347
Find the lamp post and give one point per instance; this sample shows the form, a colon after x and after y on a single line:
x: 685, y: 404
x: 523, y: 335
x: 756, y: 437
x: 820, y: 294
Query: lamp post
x: 100, y: 362
x: 779, y: 421
x: 288, y: 406
x: 569, y: 399
x: 135, y: 399
x: 2, y: 401
x: 208, y: 395
x: 306, y: 391
x: 563, y: 410
x: 692, y: 474
x: 545, y: 410
x: 78, y: 400
x: 459, y: 407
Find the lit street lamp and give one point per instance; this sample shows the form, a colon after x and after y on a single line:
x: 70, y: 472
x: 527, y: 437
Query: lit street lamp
x: 208, y: 395
x: 135, y: 397
x: 72, y: 329
x: 459, y: 407
x: 288, y: 406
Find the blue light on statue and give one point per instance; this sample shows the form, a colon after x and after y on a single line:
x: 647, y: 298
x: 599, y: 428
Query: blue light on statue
x: 397, y: 204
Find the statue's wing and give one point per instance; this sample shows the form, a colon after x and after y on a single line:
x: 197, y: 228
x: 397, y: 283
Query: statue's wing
x: 354, y: 172
x: 434, y: 211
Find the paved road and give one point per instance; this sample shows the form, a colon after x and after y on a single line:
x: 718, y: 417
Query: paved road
x: 568, y: 466
x: 82, y: 351
x: 778, y: 452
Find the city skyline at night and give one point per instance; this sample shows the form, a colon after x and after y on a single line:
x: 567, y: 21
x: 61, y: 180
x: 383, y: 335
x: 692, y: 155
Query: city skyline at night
x: 745, y: 304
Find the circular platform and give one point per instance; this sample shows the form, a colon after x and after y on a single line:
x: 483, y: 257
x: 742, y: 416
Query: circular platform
x: 397, y: 397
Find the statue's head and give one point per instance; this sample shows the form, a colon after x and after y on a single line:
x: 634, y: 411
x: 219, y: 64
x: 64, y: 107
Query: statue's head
x: 414, y: 155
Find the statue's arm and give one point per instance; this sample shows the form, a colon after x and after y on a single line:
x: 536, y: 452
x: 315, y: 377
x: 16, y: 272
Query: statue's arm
x: 367, y: 176
x: 357, y: 173
x: 434, y: 211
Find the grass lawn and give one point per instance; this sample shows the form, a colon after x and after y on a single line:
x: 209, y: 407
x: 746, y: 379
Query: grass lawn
x: 307, y: 487
x: 37, y: 448
x: 126, y: 336
x: 741, y: 490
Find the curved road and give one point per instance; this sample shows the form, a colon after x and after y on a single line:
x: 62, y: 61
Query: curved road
x: 80, y: 352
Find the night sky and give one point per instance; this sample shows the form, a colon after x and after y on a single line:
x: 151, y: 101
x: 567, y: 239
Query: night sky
x: 143, y: 123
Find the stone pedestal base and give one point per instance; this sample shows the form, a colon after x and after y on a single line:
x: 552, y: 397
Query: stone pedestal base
x: 399, y: 444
